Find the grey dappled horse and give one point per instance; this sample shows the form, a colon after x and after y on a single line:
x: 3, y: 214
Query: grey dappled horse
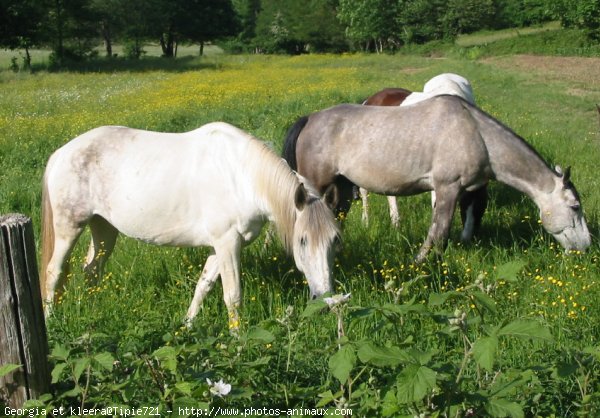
x: 472, y: 204
x: 443, y: 144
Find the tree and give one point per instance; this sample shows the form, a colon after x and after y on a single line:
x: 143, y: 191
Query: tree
x: 320, y: 28
x: 464, y: 16
x: 71, y: 29
x: 201, y: 21
x: 110, y: 19
x: 142, y: 20
x: 511, y: 13
x: 421, y: 20
x: 295, y: 27
x: 583, y: 14
x: 192, y: 20
x: 274, y: 27
x: 370, y: 22
x: 246, y: 12
x: 21, y: 25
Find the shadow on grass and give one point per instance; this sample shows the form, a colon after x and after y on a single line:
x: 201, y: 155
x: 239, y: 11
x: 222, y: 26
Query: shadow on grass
x: 118, y: 64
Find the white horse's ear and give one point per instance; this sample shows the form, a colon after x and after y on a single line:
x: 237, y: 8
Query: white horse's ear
x: 331, y: 196
x: 558, y: 170
x: 300, y: 197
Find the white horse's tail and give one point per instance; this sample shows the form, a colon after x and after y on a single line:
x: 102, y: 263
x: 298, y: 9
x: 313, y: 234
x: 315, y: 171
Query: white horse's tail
x: 47, y: 236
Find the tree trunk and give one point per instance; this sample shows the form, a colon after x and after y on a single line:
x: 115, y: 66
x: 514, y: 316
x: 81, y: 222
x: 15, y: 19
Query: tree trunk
x: 60, y: 51
x: 27, y: 59
x: 107, y: 40
x: 201, y: 48
x: 168, y: 43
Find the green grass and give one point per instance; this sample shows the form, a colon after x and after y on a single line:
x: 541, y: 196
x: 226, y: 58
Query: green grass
x: 121, y: 342
x: 551, y: 42
x: 543, y: 40
x: 489, y: 36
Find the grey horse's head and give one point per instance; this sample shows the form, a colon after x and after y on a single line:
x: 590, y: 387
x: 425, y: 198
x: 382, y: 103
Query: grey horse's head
x: 562, y: 214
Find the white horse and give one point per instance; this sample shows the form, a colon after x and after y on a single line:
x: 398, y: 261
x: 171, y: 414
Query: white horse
x: 215, y: 186
x: 446, y: 83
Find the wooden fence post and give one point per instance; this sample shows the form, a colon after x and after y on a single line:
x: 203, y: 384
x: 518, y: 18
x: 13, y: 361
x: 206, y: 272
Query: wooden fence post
x: 22, y: 328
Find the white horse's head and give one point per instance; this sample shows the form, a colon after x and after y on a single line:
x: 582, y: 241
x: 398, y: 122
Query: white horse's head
x: 449, y: 83
x: 316, y: 237
x: 446, y: 83
x: 562, y: 215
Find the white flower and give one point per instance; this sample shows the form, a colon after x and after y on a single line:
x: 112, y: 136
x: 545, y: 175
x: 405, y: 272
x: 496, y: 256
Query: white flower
x: 336, y: 300
x: 219, y: 388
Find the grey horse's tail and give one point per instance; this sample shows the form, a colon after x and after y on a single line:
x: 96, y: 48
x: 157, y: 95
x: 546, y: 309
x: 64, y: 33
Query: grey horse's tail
x: 289, y: 144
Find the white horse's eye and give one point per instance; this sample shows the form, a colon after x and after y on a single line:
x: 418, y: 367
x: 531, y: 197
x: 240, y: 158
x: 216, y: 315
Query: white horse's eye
x: 576, y: 207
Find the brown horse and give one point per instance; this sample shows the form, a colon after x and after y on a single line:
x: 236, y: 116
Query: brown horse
x: 391, y: 96
x: 443, y: 144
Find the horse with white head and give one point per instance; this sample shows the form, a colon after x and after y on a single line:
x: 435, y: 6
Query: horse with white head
x: 214, y: 186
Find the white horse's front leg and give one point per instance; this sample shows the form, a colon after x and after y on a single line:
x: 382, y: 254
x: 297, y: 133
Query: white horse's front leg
x: 365, y: 205
x: 394, y: 215
x: 206, y: 282
x: 228, y: 253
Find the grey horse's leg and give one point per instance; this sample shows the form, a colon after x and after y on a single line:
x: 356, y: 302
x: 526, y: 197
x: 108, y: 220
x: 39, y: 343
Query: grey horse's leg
x: 446, y: 198
x: 472, y: 208
x: 345, y: 196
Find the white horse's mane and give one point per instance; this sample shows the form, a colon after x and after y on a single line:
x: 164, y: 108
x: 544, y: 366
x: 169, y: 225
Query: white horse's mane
x: 277, y: 183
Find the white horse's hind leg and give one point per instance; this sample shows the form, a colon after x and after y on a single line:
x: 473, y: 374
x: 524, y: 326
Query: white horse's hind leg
x: 58, y: 266
x: 104, y: 237
x: 207, y: 280
x: 365, y: 202
x: 394, y: 215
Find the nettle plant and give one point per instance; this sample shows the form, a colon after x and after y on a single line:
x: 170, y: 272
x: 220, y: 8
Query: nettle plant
x: 449, y: 364
x: 438, y: 354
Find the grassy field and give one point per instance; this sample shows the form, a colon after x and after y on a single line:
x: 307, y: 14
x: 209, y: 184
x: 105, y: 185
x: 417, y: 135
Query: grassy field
x: 508, y: 326
x: 490, y: 36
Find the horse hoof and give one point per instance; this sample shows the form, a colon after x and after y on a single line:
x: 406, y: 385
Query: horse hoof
x: 188, y: 323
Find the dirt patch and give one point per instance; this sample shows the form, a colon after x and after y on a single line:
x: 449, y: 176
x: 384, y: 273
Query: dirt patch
x: 579, y: 92
x: 570, y: 69
x: 412, y: 70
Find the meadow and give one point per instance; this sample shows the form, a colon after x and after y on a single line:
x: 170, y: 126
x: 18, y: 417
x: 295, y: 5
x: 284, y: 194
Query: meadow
x: 506, y: 326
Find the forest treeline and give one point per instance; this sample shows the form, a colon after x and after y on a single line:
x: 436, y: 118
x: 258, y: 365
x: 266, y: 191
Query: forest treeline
x: 73, y: 29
